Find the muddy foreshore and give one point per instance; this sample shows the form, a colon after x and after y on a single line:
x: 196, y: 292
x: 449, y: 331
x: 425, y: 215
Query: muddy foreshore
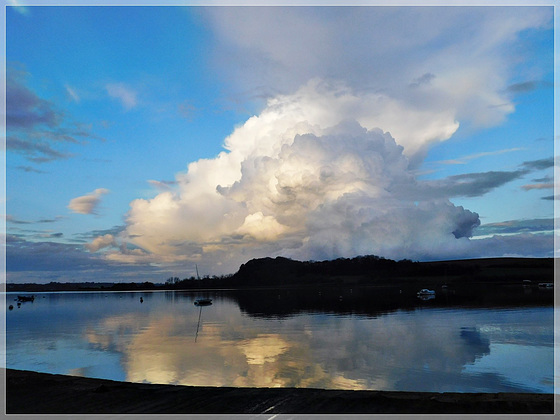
x: 39, y: 393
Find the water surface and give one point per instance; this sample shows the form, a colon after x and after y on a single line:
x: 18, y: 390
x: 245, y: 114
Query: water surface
x: 237, y: 341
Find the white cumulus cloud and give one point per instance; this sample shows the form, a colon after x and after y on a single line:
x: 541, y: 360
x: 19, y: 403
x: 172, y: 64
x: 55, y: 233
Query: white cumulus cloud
x: 101, y: 242
x: 290, y: 186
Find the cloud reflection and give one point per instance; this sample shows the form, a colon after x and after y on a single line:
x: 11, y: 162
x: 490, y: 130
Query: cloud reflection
x: 418, y: 350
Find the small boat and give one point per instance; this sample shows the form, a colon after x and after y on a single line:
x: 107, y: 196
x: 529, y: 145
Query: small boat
x: 26, y: 298
x: 546, y: 285
x: 426, y: 292
x: 203, y: 302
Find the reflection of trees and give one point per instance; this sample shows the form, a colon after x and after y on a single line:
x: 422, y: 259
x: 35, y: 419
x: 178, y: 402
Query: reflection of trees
x: 375, y: 301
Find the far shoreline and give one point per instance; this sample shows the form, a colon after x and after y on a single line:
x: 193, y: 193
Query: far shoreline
x: 362, y: 271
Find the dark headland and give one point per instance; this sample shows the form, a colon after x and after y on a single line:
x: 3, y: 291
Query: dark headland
x: 40, y: 393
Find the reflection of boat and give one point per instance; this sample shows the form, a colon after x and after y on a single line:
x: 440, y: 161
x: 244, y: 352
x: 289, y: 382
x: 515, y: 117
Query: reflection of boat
x: 426, y: 292
x: 26, y: 298
x: 203, y: 302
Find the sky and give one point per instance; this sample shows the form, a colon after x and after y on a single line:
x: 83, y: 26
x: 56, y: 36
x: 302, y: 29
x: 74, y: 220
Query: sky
x: 147, y: 142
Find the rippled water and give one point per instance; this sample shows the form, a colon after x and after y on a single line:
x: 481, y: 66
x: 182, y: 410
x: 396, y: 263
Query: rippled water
x: 237, y: 341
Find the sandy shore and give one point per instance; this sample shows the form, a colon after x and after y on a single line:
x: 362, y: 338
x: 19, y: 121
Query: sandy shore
x: 39, y: 393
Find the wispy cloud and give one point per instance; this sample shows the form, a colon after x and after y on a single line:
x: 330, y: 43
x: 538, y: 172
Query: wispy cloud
x: 425, y: 79
x: 162, y: 185
x: 30, y: 169
x: 528, y: 86
x: 38, y: 151
x: 12, y: 219
x: 475, y: 184
x: 72, y: 93
x: 541, y: 186
x: 539, y: 164
x: 465, y: 159
x: 87, y: 204
x: 186, y: 110
x: 126, y: 95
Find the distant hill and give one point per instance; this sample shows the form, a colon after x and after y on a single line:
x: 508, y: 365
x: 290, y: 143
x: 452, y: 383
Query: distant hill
x: 372, y: 270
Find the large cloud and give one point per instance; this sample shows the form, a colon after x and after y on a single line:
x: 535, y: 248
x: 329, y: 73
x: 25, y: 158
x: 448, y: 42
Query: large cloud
x: 291, y: 187
x: 326, y: 168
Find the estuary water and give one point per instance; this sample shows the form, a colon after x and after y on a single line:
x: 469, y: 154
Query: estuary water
x: 312, y: 339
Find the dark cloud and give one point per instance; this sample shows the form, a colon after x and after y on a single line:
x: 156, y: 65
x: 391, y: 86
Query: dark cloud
x: 36, y: 150
x: 425, y: 79
x: 24, y: 109
x: 516, y: 226
x: 115, y: 231
x: 40, y: 262
x: 56, y: 235
x: 528, y: 86
x: 544, y: 179
x: 522, y: 87
x: 34, y: 125
x: 23, y: 255
x: 30, y: 169
x: 478, y: 184
x: 464, y: 185
x: 523, y: 244
x: 474, y: 184
x: 11, y: 219
x: 539, y: 164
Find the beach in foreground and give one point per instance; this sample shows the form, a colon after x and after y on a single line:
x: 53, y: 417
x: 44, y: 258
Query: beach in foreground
x: 39, y: 393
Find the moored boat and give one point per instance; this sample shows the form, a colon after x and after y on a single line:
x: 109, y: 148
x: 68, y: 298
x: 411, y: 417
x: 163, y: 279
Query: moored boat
x: 203, y: 302
x: 426, y: 292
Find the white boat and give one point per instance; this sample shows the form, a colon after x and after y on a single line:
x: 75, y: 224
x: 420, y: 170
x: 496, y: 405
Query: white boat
x: 426, y: 292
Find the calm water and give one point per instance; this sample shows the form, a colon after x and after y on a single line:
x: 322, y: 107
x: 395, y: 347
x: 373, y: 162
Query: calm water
x: 273, y: 340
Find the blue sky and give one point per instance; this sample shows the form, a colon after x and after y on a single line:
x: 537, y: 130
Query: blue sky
x: 142, y: 141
